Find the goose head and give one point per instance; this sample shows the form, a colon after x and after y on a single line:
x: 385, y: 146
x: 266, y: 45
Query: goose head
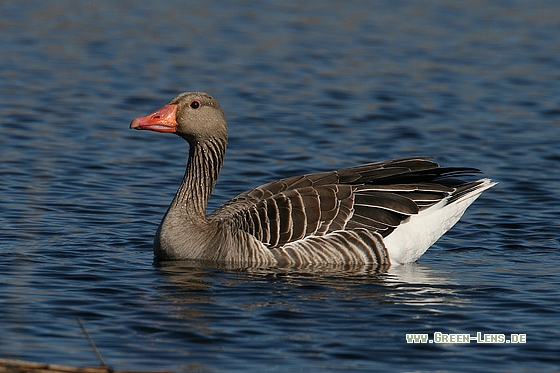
x: 195, y: 116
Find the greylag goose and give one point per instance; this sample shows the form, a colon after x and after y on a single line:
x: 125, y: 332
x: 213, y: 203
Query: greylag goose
x: 380, y: 214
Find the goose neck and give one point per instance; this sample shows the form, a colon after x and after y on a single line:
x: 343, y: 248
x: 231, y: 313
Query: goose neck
x: 205, y: 161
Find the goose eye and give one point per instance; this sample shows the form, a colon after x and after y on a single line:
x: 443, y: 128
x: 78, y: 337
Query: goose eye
x: 195, y: 104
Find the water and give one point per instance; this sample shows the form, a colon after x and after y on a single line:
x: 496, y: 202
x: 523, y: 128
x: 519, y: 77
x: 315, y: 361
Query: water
x: 305, y: 87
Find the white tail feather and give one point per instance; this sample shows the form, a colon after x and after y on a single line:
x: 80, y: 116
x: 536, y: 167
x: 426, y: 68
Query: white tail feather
x: 413, y: 237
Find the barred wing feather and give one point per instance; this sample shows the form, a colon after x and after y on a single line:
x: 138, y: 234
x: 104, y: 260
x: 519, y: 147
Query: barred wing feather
x: 370, y: 200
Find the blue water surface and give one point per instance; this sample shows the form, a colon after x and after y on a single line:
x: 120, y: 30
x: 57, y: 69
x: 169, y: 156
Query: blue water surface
x: 306, y: 86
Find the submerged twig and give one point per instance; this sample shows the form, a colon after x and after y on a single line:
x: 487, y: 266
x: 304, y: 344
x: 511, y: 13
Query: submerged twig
x: 91, y: 343
x: 19, y: 366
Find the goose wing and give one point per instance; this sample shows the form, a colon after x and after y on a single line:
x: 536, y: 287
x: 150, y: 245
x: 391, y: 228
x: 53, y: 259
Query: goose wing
x: 376, y: 197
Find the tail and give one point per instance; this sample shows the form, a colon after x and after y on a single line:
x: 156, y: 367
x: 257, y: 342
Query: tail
x: 415, y: 235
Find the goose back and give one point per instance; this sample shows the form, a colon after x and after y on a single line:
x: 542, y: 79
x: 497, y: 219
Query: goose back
x: 355, y: 207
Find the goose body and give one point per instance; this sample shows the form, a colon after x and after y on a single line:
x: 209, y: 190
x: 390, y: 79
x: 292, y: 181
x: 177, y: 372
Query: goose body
x: 378, y: 214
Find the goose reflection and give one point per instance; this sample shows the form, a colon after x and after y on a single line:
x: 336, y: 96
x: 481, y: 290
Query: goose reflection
x: 411, y: 283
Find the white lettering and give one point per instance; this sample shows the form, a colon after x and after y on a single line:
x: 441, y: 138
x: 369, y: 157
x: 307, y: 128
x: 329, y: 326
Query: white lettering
x: 416, y: 338
x: 466, y: 338
x: 518, y: 338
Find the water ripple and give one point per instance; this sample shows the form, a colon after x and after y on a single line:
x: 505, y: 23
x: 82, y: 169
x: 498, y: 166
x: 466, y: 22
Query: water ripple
x: 305, y: 87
